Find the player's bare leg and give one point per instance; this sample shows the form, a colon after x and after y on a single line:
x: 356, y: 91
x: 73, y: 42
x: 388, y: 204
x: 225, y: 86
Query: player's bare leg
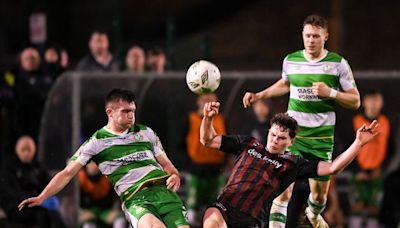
x: 213, y: 219
x: 278, y: 212
x: 150, y: 221
x: 316, y: 202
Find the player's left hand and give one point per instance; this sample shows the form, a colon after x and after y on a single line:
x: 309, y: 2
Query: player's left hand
x: 321, y: 89
x: 30, y: 202
x: 173, y: 182
x: 366, y: 133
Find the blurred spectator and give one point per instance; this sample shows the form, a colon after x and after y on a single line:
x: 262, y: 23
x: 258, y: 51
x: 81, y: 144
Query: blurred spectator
x: 135, y: 59
x: 261, y: 111
x: 31, y: 88
x: 25, y: 177
x: 206, y: 171
x: 64, y: 59
x: 100, y: 57
x: 52, y: 62
x: 367, y: 181
x: 99, y: 204
x: 156, y: 60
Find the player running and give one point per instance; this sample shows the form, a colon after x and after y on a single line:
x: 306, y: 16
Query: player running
x: 316, y: 79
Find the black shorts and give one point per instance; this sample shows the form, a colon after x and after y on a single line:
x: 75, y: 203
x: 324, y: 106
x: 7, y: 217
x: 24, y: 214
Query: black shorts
x: 234, y: 218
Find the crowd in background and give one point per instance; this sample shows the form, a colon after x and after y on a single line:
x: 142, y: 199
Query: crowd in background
x: 23, y: 93
x: 25, y: 87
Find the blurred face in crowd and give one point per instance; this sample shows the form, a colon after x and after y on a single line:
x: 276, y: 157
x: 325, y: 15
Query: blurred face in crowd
x: 261, y: 110
x: 278, y: 139
x: 314, y: 38
x: 135, y: 59
x: 373, y: 104
x: 202, y: 100
x: 30, y: 59
x: 157, y: 62
x: 121, y: 114
x: 25, y: 149
x: 51, y: 55
x: 98, y: 44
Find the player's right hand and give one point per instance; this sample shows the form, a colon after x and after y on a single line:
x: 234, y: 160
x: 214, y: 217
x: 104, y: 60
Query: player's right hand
x: 249, y: 98
x: 211, y: 109
x: 30, y: 202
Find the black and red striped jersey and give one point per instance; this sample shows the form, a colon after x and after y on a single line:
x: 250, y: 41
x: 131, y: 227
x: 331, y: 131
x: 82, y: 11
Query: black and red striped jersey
x: 259, y: 176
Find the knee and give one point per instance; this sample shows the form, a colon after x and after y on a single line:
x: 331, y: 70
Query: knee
x: 213, y: 218
x: 320, y: 196
x: 209, y: 223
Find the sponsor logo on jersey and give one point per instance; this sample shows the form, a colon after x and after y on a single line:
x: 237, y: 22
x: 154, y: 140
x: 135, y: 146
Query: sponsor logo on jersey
x: 258, y: 155
x: 326, y: 68
x: 307, y: 94
x: 139, y: 156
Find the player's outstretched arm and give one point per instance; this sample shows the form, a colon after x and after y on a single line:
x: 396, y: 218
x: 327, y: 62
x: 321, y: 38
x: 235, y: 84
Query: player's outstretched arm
x: 57, y: 183
x: 208, y: 135
x: 364, y: 135
x: 279, y: 88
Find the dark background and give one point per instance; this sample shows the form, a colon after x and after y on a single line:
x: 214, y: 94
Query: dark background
x: 237, y: 35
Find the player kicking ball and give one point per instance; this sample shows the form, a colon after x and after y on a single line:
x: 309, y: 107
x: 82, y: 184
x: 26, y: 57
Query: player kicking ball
x: 263, y: 172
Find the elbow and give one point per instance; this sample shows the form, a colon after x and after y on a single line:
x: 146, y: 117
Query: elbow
x: 203, y: 142
x: 357, y: 104
x: 335, y: 171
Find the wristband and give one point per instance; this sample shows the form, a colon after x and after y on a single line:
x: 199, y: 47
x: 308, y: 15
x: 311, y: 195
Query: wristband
x: 333, y: 93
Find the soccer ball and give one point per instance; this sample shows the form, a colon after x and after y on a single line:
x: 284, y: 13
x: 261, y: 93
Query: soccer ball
x: 203, y: 77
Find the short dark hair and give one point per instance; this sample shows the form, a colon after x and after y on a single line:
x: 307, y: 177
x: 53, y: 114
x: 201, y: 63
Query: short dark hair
x: 286, y: 122
x: 156, y: 51
x: 371, y: 92
x: 316, y: 20
x: 118, y: 94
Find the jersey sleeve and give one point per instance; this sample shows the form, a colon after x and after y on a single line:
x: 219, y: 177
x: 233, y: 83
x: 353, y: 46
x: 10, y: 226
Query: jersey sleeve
x: 155, y: 141
x: 284, y: 70
x: 86, y: 151
x: 307, y: 168
x: 233, y: 144
x: 346, y: 78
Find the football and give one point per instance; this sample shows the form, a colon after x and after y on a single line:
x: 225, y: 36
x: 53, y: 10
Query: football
x: 203, y: 77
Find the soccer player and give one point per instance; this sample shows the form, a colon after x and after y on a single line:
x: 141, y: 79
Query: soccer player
x: 133, y: 159
x: 316, y: 78
x: 263, y: 172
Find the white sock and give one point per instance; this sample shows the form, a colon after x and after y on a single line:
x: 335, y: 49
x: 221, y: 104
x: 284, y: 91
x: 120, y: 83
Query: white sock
x: 278, y: 214
x: 316, y: 208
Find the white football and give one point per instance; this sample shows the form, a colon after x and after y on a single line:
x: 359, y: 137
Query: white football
x: 203, y: 77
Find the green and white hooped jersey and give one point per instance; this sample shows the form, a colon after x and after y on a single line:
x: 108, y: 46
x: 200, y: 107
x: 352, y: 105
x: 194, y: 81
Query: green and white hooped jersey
x: 128, y: 161
x: 315, y: 116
